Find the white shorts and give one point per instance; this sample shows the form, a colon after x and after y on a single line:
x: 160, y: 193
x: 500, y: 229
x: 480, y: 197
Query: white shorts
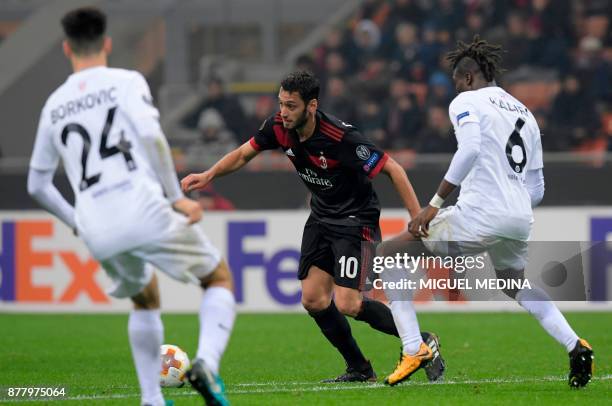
x: 452, y: 233
x: 186, y: 255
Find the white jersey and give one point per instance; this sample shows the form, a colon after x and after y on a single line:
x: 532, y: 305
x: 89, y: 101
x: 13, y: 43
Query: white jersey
x: 95, y: 122
x: 493, y: 194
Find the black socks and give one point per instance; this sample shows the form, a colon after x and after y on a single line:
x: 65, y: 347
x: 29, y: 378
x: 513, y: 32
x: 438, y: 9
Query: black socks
x: 378, y: 316
x: 335, y: 327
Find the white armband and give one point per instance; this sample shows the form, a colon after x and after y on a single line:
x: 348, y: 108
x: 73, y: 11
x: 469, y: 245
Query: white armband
x: 436, y: 201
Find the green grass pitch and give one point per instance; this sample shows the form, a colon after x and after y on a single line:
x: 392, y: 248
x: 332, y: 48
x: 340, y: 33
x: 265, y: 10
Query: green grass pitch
x: 279, y: 359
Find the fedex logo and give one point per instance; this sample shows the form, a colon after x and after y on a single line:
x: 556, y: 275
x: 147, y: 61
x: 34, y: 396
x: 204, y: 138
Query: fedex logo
x: 240, y: 258
x: 19, y: 261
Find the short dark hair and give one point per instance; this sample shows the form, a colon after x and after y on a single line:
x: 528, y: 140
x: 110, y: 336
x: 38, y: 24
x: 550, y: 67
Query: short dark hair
x: 303, y: 82
x: 478, y: 55
x: 85, y: 27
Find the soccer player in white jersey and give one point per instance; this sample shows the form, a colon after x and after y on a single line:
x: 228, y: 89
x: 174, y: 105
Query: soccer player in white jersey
x: 129, y: 208
x: 498, y: 164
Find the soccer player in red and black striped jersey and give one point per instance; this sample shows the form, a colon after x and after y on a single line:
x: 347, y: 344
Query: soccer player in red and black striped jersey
x: 336, y: 163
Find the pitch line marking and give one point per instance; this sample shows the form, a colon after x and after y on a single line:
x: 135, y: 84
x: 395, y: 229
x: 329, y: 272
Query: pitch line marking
x: 317, y: 388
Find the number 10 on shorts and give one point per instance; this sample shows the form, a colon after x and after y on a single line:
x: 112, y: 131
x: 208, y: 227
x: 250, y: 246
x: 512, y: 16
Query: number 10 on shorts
x: 348, y: 267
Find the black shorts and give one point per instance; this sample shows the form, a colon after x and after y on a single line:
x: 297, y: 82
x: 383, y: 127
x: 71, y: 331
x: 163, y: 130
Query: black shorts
x: 337, y: 250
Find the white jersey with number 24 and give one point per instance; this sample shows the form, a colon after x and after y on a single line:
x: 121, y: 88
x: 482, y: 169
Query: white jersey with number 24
x: 95, y: 122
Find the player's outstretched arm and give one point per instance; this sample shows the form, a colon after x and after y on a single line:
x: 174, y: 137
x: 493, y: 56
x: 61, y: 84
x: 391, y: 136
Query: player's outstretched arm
x: 419, y: 226
x: 468, y: 139
x: 228, y: 164
x: 402, y: 184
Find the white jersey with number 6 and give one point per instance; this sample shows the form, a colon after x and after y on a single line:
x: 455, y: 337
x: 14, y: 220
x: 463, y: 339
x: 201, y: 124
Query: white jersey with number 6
x: 493, y: 195
x: 96, y: 122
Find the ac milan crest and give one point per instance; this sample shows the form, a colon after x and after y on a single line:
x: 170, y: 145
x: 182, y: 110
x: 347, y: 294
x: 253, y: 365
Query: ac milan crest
x: 322, y: 161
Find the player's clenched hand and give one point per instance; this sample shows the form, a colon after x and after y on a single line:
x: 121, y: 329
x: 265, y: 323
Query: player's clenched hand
x: 419, y: 226
x: 190, y: 208
x: 196, y: 181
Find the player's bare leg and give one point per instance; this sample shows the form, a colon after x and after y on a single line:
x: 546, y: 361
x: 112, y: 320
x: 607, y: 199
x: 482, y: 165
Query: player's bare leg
x: 351, y: 303
x: 317, y: 290
x: 217, y: 314
x: 537, y: 302
x: 146, y: 334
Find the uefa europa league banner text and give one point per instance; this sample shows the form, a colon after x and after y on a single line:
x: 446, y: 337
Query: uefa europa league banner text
x: 44, y: 267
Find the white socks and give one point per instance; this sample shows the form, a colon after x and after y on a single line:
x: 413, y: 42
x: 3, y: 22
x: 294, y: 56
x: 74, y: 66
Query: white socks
x: 217, y: 315
x: 538, y: 303
x: 146, y: 334
x: 407, y: 325
x: 535, y: 301
x: 404, y: 315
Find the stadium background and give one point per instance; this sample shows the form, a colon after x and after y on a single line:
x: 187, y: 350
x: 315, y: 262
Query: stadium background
x: 213, y: 67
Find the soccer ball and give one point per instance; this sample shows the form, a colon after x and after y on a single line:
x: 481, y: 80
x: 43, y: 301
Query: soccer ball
x: 175, y: 363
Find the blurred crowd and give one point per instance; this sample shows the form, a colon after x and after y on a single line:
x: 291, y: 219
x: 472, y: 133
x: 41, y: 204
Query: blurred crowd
x: 384, y: 70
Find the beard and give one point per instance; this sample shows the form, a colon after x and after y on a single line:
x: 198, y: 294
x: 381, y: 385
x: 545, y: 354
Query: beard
x: 301, y: 121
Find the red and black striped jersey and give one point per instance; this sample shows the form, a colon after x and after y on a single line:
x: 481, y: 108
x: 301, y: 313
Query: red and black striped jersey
x: 336, y: 163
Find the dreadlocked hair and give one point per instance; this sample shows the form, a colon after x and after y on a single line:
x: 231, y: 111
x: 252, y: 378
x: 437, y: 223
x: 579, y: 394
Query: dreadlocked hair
x: 487, y: 56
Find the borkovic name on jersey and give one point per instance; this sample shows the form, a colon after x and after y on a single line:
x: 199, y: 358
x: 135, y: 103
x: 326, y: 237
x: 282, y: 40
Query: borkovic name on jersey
x: 82, y: 103
x: 336, y: 163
